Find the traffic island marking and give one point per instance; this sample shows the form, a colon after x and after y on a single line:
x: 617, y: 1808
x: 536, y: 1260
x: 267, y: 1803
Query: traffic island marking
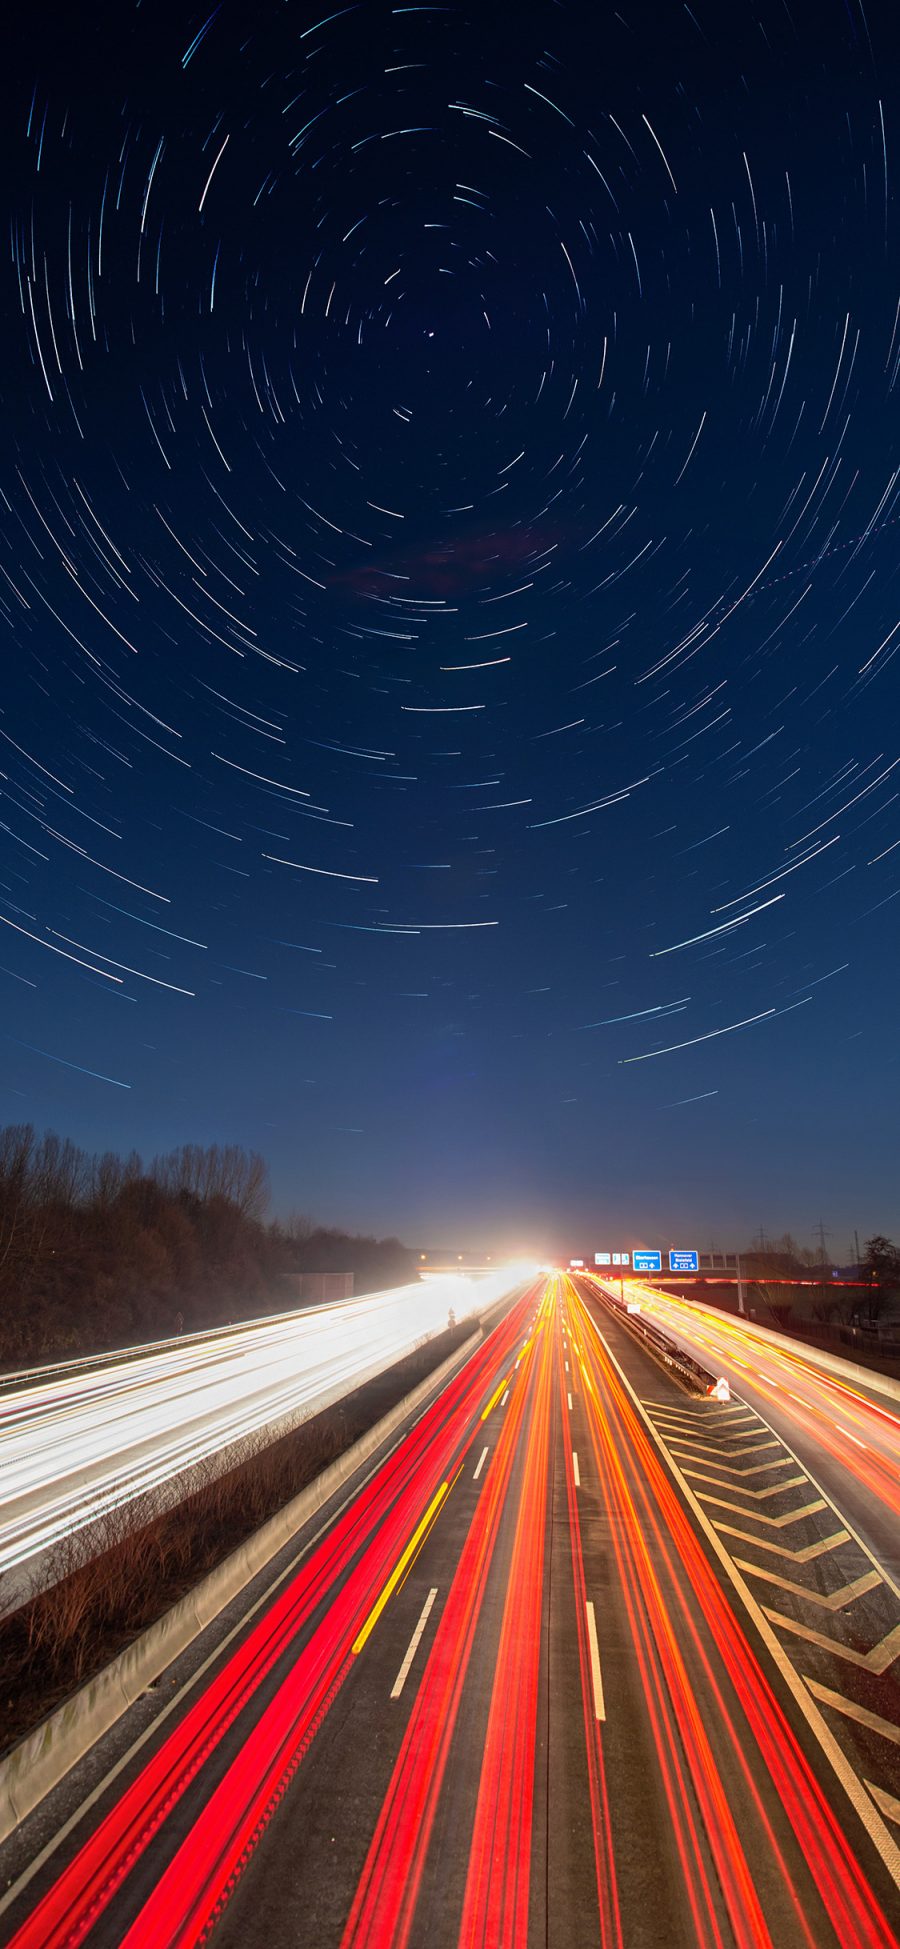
x: 718, y: 1447
x: 838, y: 1599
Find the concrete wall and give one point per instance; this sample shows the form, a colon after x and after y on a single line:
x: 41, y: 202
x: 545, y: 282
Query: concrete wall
x: 317, y: 1288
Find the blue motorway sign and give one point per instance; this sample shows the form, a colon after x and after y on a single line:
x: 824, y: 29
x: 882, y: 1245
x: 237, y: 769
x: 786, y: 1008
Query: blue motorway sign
x: 646, y: 1261
x: 684, y: 1262
x: 602, y: 1258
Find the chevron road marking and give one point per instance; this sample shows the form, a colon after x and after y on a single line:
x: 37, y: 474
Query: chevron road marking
x: 759, y: 1495
x: 762, y: 1468
x: 712, y: 1416
x: 807, y: 1555
x: 877, y: 1660
x: 888, y: 1802
x: 700, y: 1445
x: 703, y: 1428
x: 806, y: 1693
x: 756, y: 1516
x: 722, y: 1447
x: 707, y: 1435
x: 712, y: 1441
x: 837, y: 1601
x: 851, y: 1710
x: 716, y: 1412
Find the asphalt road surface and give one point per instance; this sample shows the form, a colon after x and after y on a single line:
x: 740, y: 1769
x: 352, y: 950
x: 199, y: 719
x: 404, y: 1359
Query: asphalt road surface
x: 560, y: 1672
x: 843, y: 1428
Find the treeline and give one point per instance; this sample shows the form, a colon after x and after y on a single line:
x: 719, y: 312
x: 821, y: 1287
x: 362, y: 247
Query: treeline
x: 879, y: 1258
x: 101, y: 1251
x: 874, y: 1294
x: 767, y: 1258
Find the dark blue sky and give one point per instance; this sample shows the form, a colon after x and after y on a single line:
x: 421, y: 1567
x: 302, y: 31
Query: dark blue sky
x: 448, y: 540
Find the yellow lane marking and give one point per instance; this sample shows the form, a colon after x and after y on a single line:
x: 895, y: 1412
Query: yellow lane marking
x: 495, y: 1396
x: 596, y: 1676
x: 397, y: 1572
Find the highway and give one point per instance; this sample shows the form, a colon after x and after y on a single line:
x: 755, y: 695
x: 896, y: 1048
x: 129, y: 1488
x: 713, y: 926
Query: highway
x: 843, y: 1427
x: 515, y: 1690
x: 82, y: 1439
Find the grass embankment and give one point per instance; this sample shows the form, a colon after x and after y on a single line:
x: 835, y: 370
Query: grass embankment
x: 100, y: 1602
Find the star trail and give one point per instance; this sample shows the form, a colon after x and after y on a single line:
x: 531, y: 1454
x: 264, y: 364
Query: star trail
x: 448, y: 588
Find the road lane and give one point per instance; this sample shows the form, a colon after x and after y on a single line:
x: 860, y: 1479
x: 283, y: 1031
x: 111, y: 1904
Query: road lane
x: 284, y: 1675
x: 81, y: 1441
x: 384, y: 1906
x: 769, y: 1841
x: 509, y: 1700
x: 843, y: 1432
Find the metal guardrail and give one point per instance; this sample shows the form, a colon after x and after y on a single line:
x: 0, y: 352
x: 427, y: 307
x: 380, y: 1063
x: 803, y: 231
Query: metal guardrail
x: 675, y: 1359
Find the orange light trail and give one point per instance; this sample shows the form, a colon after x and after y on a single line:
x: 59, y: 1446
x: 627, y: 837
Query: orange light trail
x: 754, y: 1853
x: 607, y: 1891
x: 868, y: 1449
x: 495, y: 1909
x: 654, y: 1510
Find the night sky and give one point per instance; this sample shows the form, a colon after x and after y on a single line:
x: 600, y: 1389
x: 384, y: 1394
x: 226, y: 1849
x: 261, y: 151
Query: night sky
x: 449, y: 517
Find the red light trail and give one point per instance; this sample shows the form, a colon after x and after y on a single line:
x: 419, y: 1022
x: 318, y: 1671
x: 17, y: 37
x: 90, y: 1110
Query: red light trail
x: 743, y: 1838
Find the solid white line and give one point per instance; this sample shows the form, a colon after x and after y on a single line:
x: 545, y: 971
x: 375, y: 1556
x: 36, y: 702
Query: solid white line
x: 476, y: 1472
x: 577, y: 1470
x: 402, y: 1674
x: 570, y: 1403
x: 599, y: 1705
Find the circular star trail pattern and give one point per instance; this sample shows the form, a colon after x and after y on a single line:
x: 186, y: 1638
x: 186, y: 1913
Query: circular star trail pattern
x: 448, y: 541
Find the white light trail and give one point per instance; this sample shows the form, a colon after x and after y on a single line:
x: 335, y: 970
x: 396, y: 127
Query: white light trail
x: 91, y: 1437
